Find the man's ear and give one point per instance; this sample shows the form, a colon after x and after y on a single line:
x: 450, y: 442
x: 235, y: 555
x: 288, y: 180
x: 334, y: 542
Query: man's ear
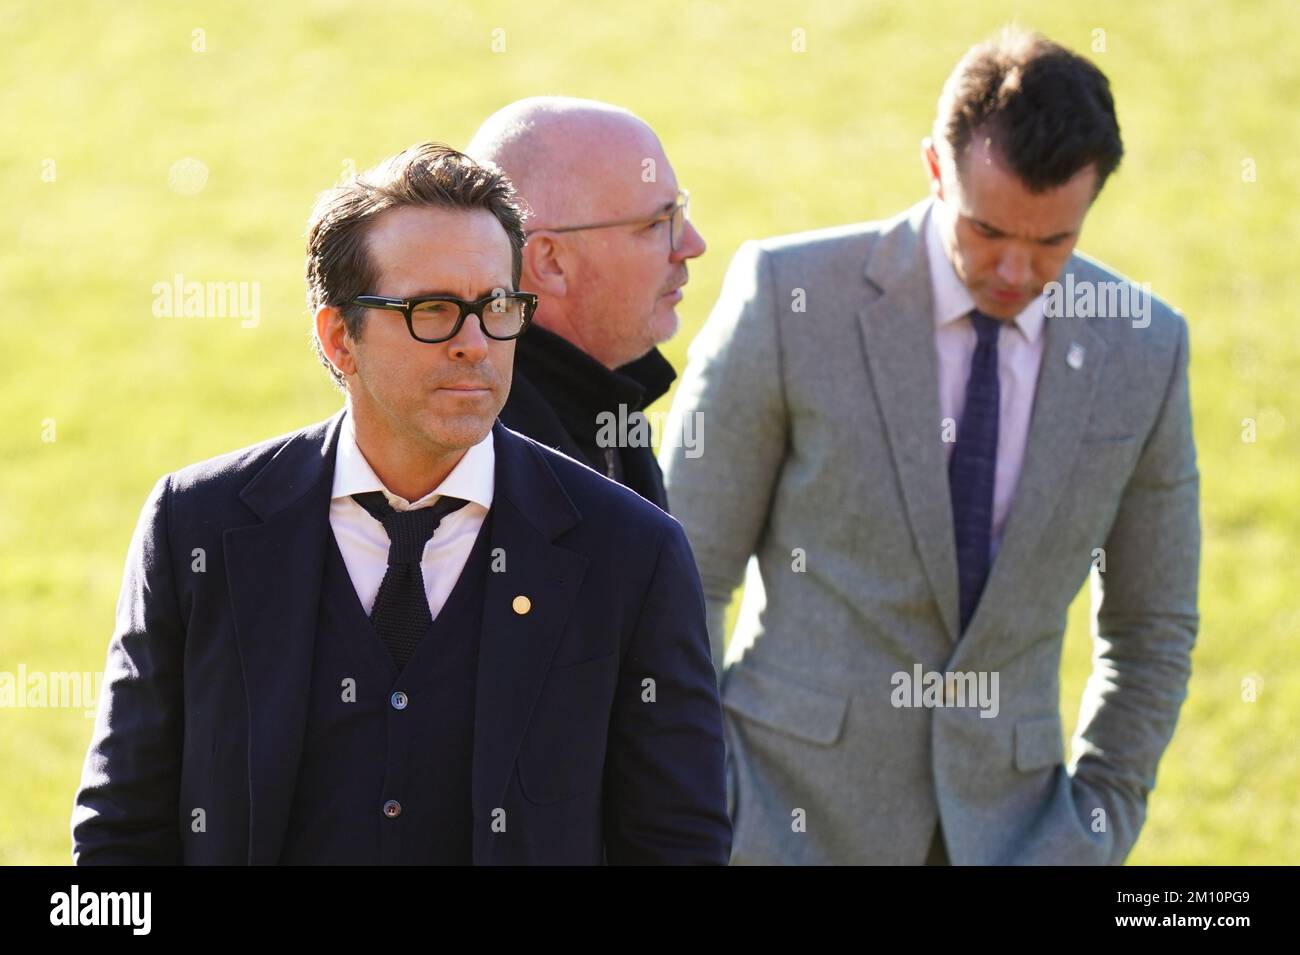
x: 933, y: 169
x: 332, y: 333
x: 544, y: 266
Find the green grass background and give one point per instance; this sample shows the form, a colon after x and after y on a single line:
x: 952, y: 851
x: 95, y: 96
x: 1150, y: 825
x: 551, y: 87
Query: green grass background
x: 288, y: 97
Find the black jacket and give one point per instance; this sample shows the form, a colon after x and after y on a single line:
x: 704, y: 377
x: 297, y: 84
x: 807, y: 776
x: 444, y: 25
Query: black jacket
x: 565, y: 399
x: 205, y: 698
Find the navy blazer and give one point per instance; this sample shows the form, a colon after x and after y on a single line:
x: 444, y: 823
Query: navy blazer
x: 597, y: 733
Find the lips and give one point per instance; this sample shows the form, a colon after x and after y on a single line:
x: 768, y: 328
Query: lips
x: 677, y: 286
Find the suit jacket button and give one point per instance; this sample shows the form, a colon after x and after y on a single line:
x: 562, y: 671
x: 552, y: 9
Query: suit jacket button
x: 399, y: 700
x: 392, y: 809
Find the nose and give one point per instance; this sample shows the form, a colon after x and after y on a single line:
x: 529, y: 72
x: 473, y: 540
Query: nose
x: 470, y: 344
x: 1014, y: 266
x: 692, y: 244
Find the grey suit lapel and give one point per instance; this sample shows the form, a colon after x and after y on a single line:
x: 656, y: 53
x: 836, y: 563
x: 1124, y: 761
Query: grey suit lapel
x: 898, y: 337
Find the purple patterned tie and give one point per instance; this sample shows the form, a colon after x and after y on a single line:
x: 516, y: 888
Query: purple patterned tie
x: 972, y: 467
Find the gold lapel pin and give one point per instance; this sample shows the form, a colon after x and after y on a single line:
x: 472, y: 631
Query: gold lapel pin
x: 521, y: 605
x: 1074, y: 357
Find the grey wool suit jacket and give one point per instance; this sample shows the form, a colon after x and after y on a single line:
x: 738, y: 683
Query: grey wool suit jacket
x: 821, y: 456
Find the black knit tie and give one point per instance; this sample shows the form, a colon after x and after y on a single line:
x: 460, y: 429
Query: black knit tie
x: 401, y: 611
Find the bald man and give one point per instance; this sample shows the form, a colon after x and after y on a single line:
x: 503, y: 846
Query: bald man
x: 608, y: 242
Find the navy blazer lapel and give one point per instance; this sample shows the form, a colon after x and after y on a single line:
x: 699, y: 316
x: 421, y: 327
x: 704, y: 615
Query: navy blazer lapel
x: 274, y: 569
x: 529, y: 596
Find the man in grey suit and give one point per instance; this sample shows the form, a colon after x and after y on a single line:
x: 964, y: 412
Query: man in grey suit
x: 928, y: 431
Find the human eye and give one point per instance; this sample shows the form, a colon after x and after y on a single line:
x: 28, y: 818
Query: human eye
x: 436, y: 309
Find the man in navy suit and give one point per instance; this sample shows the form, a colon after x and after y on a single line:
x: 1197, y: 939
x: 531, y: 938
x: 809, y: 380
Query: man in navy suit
x: 407, y: 634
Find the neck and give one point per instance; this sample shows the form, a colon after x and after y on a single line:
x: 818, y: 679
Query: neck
x: 409, y: 468
x: 557, y: 323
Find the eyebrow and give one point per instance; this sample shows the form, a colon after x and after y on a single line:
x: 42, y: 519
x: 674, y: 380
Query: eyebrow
x: 486, y: 294
x: 994, y: 229
x: 666, y: 206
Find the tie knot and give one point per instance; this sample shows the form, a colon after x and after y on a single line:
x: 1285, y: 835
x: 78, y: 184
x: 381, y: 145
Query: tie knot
x: 986, y: 327
x: 408, y: 531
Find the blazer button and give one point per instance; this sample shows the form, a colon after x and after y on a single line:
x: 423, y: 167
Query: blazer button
x: 399, y: 700
x: 392, y: 809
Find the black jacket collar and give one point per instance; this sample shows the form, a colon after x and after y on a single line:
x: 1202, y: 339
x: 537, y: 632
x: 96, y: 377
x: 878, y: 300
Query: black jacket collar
x: 579, y: 388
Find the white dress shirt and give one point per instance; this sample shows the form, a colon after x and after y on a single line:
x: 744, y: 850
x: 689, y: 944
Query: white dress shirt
x: 363, y: 541
x: 1020, y: 355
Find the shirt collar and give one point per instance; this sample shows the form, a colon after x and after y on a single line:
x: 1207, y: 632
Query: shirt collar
x: 473, y: 478
x: 952, y: 300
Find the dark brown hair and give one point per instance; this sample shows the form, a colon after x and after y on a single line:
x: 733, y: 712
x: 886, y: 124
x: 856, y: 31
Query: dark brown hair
x: 1047, y: 111
x: 427, y: 174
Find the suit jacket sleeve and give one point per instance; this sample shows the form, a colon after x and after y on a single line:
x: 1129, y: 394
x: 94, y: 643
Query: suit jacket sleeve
x: 1146, y: 624
x: 126, y: 809
x: 665, y: 789
x: 721, y: 490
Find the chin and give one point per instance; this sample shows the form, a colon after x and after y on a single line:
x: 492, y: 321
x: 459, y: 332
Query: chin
x: 457, y: 434
x: 664, y: 327
x: 1007, y: 310
x: 458, y: 430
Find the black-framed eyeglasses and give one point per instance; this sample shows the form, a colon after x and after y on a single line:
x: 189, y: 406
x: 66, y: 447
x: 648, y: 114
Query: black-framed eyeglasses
x: 678, y: 215
x: 438, y: 318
